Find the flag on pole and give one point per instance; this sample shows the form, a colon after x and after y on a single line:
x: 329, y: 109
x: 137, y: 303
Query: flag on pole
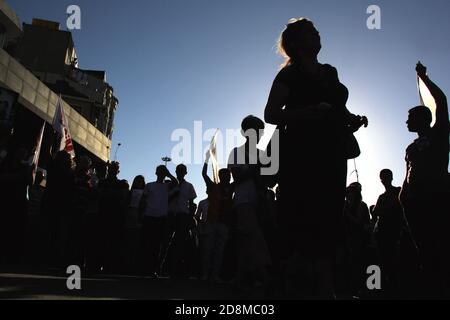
x: 213, y: 157
x: 61, y: 126
x: 37, y: 151
x: 426, y: 99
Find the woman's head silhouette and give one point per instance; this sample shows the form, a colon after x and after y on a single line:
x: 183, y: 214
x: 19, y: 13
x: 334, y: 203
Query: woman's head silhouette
x: 300, y: 39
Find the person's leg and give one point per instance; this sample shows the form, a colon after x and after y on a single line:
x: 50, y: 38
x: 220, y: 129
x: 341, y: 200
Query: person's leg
x: 148, y: 246
x: 427, y: 232
x: 220, y: 241
x: 253, y: 255
x: 388, y: 249
x: 325, y: 278
x: 143, y: 246
x: 442, y: 247
x: 167, y: 245
x: 180, y: 243
x: 242, y: 243
x: 160, y: 233
x: 153, y: 244
x: 207, y: 247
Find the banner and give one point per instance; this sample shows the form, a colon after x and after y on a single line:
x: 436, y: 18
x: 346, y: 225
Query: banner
x: 426, y: 99
x: 61, y: 126
x: 213, y: 154
x: 37, y: 151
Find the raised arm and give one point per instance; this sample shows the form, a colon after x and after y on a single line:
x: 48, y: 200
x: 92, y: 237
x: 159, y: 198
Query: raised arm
x: 439, y: 97
x: 171, y: 177
x: 205, y: 176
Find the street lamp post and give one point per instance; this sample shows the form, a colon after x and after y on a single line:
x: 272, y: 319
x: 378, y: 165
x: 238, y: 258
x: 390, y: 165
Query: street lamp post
x: 166, y: 160
x: 117, y: 149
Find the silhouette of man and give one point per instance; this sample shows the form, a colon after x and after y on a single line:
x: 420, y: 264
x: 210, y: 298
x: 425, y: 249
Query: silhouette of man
x: 357, y: 223
x: 154, y: 208
x: 184, y: 208
x: 215, y: 222
x: 389, y: 212
x: 113, y: 206
x: 253, y: 256
x: 425, y: 191
x: 15, y: 179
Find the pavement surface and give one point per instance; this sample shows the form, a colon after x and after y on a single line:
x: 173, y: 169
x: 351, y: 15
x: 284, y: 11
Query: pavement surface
x: 52, y: 285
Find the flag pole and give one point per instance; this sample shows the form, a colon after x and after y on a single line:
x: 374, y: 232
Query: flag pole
x: 355, y: 171
x: 117, y: 150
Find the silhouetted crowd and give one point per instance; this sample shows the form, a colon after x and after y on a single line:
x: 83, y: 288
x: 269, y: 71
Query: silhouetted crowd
x: 301, y: 233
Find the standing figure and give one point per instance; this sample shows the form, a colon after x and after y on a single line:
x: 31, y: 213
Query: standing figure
x: 425, y: 191
x: 133, y: 222
x: 113, y: 195
x: 357, y: 235
x: 215, y: 222
x: 154, y: 208
x: 15, y: 178
x: 253, y: 258
x: 184, y: 209
x: 308, y: 104
x: 58, y: 206
x: 389, y: 214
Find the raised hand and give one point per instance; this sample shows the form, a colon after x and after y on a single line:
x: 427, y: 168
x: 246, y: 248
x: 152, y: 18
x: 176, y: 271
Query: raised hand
x: 357, y: 122
x: 166, y: 172
x: 364, y: 121
x: 421, y: 69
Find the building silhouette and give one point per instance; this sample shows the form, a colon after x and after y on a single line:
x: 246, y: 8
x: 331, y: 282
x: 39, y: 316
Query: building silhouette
x: 38, y: 62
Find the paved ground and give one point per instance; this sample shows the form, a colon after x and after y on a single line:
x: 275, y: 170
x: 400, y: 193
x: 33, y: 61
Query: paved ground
x: 52, y: 285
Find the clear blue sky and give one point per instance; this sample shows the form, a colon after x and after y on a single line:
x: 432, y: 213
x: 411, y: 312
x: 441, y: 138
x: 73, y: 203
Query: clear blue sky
x: 174, y: 61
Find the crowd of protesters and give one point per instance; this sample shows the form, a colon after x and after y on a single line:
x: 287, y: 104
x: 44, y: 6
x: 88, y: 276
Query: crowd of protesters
x: 301, y: 233
x: 87, y: 216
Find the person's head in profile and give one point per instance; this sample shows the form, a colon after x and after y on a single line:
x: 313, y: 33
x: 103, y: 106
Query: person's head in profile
x: 181, y: 172
x: 252, y: 128
x: 386, y: 178
x: 299, y: 40
x: 419, y: 119
x: 224, y: 176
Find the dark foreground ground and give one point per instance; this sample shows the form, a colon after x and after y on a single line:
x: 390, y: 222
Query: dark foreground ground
x: 52, y: 285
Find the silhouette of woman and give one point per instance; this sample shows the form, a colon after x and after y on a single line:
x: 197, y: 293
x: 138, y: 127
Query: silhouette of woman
x: 307, y: 102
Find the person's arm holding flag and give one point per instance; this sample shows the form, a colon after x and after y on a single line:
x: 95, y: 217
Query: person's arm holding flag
x: 438, y: 95
x: 205, y: 176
